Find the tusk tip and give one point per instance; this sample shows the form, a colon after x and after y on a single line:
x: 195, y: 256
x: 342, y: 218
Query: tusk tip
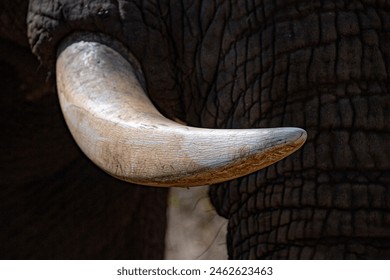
x: 296, y: 136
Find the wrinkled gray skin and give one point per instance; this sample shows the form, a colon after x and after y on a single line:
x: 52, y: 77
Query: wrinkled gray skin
x: 226, y: 64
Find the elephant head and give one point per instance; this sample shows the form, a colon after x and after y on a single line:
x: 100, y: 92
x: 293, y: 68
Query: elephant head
x: 230, y: 69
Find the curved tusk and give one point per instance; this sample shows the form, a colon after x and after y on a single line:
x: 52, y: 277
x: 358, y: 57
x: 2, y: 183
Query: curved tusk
x: 118, y: 128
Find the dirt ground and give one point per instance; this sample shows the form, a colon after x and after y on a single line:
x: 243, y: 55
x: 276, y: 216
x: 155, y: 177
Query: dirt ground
x: 195, y: 231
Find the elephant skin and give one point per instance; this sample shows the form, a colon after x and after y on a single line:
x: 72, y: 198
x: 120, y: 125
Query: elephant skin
x: 319, y: 65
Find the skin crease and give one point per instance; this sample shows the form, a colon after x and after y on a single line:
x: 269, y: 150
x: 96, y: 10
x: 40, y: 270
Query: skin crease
x: 317, y: 65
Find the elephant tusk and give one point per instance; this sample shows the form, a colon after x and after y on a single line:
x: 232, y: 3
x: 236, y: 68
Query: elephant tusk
x: 116, y: 125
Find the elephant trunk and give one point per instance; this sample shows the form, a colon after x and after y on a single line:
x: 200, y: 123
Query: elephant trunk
x: 103, y: 99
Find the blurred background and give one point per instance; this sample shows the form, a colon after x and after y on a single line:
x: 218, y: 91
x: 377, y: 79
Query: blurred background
x: 195, y: 231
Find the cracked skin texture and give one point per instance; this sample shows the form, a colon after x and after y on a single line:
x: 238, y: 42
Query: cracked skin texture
x: 319, y: 65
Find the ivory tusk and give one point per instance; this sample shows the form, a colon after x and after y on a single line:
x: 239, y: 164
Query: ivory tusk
x: 119, y: 129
